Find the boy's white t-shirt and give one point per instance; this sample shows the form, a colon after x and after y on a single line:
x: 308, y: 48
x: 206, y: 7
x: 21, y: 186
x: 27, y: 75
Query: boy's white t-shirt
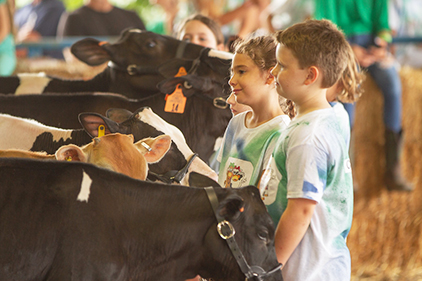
x: 244, y: 150
x: 311, y: 161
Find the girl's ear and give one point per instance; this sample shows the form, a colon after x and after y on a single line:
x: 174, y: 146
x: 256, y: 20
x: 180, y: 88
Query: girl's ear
x: 220, y: 47
x: 313, y: 74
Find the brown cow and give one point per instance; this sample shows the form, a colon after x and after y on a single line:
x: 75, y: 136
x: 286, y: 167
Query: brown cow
x: 115, y: 152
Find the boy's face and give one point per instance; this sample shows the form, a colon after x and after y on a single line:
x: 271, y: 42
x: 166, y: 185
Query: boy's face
x: 289, y: 77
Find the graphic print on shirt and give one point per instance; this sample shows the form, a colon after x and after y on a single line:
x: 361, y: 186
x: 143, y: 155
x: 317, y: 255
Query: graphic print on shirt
x: 268, y: 183
x: 237, y: 172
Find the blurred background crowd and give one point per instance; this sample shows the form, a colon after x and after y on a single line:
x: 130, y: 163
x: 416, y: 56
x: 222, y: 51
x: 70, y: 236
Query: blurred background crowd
x: 35, y: 20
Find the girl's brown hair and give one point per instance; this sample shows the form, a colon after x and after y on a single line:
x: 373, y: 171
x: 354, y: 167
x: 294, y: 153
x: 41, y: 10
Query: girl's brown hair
x: 351, y: 80
x: 211, y: 24
x: 260, y: 49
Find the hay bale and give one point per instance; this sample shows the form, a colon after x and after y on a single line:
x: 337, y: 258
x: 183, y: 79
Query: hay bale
x: 58, y: 68
x: 386, y: 236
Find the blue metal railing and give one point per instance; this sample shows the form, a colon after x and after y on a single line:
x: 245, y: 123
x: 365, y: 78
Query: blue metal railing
x: 52, y: 43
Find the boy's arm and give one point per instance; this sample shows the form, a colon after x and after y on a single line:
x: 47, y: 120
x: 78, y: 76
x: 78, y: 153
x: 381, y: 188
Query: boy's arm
x: 292, y: 227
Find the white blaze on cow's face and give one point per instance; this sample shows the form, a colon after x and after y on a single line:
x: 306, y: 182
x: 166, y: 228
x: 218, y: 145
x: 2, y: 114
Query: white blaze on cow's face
x: 149, y: 117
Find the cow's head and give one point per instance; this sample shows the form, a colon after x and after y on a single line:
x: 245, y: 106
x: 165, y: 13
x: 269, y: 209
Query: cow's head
x: 243, y: 208
x: 117, y: 152
x: 143, y: 59
x: 242, y: 214
x: 145, y: 123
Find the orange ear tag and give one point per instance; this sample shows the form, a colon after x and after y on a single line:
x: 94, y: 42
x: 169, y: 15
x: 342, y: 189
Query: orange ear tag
x: 182, y: 72
x: 101, y: 131
x: 176, y: 101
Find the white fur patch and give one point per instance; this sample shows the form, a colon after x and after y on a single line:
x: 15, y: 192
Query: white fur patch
x: 21, y: 133
x: 149, y: 117
x: 220, y: 54
x: 32, y: 83
x: 85, y: 188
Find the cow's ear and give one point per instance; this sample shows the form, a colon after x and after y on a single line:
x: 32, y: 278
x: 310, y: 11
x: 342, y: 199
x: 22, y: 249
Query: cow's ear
x: 91, y: 121
x: 90, y: 51
x: 70, y: 152
x: 200, y: 180
x: 154, y: 148
x: 231, y: 207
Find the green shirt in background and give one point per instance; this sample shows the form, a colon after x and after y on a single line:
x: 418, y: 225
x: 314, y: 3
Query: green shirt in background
x: 355, y: 17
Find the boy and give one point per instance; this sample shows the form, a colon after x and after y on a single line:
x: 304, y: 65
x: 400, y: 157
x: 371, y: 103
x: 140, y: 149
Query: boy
x: 311, y: 198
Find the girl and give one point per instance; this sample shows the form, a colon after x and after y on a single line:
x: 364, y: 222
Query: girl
x: 201, y: 30
x: 250, y: 135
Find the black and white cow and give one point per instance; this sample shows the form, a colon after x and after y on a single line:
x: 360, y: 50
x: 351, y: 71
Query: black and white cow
x: 201, y: 123
x: 75, y: 221
x: 138, y: 61
x: 26, y: 134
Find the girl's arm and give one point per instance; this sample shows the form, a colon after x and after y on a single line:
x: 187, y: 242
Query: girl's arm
x: 4, y: 22
x: 292, y: 227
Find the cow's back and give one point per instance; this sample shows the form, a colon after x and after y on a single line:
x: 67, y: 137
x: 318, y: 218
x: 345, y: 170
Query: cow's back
x: 32, y: 215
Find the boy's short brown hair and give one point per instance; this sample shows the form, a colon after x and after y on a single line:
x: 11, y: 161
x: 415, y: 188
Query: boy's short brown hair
x: 317, y: 43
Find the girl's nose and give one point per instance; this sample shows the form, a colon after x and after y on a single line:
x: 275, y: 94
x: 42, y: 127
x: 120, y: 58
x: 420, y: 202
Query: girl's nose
x: 231, y: 81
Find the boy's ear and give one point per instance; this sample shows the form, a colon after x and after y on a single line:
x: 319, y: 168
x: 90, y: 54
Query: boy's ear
x: 313, y: 74
x: 270, y: 77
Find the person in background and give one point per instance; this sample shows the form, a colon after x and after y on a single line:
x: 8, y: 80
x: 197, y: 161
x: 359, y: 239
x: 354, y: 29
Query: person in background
x: 39, y: 19
x: 201, y: 30
x: 367, y: 29
x: 7, y: 44
x: 249, y: 138
x: 237, y: 17
x: 311, y: 197
x: 168, y: 10
x: 98, y: 18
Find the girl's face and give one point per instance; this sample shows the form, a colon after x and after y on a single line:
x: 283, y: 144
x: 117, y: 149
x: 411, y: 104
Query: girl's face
x: 236, y: 107
x: 289, y: 77
x: 198, y: 33
x: 247, y: 81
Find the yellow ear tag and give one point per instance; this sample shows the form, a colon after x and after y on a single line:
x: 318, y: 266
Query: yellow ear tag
x: 101, y: 131
x: 68, y: 158
x: 176, y: 101
x: 182, y: 72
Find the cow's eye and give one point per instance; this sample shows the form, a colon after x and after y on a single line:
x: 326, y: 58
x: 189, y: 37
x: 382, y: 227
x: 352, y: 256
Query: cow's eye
x: 151, y: 44
x: 263, y: 235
